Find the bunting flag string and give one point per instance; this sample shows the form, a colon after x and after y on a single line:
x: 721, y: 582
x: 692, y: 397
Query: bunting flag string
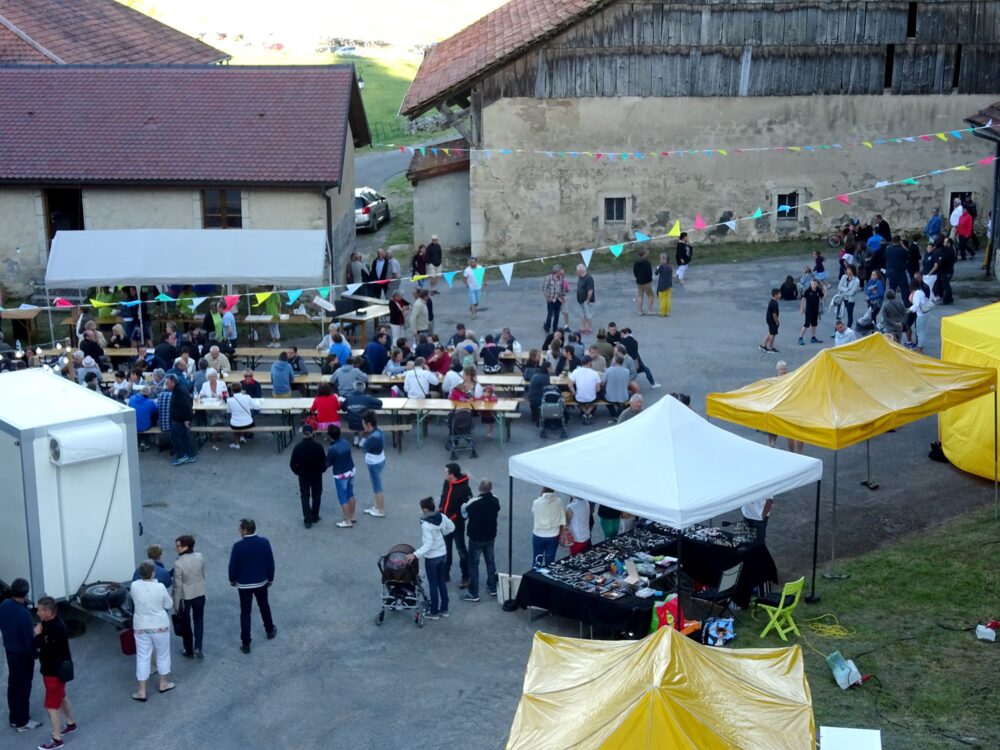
x: 261, y: 297
x: 624, y: 156
x: 196, y: 302
x: 506, y: 269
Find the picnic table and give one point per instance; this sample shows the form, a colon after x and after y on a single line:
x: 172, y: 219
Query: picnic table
x: 422, y: 408
x: 361, y: 316
x: 363, y: 298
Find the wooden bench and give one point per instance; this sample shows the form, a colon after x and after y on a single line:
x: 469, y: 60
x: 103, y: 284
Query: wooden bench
x: 282, y: 433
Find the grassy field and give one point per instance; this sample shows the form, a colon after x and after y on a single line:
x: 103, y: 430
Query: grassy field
x: 909, y: 611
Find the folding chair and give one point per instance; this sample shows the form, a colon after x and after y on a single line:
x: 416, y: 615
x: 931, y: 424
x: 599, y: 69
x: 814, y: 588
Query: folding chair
x: 780, y: 608
x: 722, y: 595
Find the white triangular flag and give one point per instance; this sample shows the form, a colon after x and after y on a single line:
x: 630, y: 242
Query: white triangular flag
x: 881, y: 183
x: 731, y: 225
x: 586, y: 255
x: 320, y: 302
x: 352, y: 288
x: 196, y: 302
x: 507, y: 269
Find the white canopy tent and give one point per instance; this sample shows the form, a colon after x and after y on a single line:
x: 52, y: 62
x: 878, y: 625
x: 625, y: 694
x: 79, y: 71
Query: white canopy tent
x: 670, y: 465
x: 288, y: 258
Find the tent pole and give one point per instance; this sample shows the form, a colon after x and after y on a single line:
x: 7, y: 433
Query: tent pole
x: 831, y: 573
x: 48, y: 305
x: 996, y: 497
x: 142, y: 324
x: 677, y: 577
x: 812, y: 598
x: 509, y: 604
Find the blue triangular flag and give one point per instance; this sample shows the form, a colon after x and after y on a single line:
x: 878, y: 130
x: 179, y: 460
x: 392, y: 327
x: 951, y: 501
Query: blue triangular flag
x: 449, y: 276
x: 434, y: 151
x: 784, y: 209
x: 640, y: 237
x: 293, y: 294
x: 957, y: 134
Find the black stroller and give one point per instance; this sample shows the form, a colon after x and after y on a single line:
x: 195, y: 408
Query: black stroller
x: 402, y: 586
x: 460, y: 438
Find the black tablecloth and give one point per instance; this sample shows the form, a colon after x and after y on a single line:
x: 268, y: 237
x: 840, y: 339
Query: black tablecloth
x: 628, y: 614
x: 704, y: 562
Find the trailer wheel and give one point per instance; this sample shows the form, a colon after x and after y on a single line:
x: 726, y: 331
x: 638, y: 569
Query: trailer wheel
x: 102, y: 595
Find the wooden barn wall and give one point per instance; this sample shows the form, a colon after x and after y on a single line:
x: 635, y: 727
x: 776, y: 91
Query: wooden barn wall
x: 668, y: 48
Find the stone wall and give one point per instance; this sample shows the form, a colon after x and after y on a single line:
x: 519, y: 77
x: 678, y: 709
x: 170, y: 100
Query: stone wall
x: 22, y: 240
x: 522, y: 205
x: 441, y: 207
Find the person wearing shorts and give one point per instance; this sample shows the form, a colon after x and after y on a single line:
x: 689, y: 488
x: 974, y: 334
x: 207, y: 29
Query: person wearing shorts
x: 56, y: 666
x: 374, y: 447
x: 809, y: 305
x: 471, y: 278
x: 771, y: 318
x: 642, y: 270
x: 341, y: 463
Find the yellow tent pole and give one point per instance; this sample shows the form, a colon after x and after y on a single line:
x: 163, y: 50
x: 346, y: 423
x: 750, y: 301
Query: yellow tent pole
x: 996, y: 497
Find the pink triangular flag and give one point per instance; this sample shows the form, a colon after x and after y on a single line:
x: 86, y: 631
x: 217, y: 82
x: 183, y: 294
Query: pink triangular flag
x: 699, y: 223
x: 926, y: 138
x: 230, y: 300
x: 844, y: 199
x: 61, y: 302
x: 986, y: 160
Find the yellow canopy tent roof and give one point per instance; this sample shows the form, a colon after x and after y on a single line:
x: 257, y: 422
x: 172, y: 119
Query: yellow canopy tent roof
x: 971, y: 338
x: 850, y: 393
x: 665, y: 691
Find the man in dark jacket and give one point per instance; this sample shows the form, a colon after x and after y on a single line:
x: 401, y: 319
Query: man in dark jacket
x: 355, y: 406
x: 434, y: 260
x: 251, y: 571
x: 166, y: 351
x: 18, y: 637
x: 56, y: 665
x: 308, y: 462
x: 181, y: 414
x: 642, y: 270
x: 455, y: 493
x: 481, y: 513
x: 896, y: 259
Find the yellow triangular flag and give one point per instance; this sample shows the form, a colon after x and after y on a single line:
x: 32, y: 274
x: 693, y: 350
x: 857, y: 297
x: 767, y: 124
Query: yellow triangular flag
x: 867, y: 144
x: 942, y: 136
x: 962, y: 168
x: 675, y: 230
x: 723, y: 152
x: 795, y: 148
x: 446, y: 153
x: 98, y: 303
x: 815, y: 206
x: 418, y: 277
x: 261, y: 296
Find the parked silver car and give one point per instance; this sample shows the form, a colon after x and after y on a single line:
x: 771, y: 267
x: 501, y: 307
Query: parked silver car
x: 370, y: 209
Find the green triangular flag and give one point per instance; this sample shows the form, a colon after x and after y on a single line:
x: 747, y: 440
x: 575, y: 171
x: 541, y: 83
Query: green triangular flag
x: 758, y: 213
x: 616, y: 250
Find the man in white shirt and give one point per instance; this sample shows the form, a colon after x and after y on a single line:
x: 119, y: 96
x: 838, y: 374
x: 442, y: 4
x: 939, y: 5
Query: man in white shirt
x: 584, y: 383
x: 453, y: 377
x: 419, y: 381
x: 471, y: 278
x: 756, y: 513
x: 843, y: 334
x: 956, y: 213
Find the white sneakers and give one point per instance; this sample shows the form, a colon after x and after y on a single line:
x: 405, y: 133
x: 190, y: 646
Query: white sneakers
x: 374, y: 512
x: 234, y: 446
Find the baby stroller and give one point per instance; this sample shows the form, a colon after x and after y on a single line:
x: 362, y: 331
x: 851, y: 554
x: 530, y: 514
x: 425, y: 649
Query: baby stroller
x: 552, y: 412
x: 402, y: 586
x: 864, y: 324
x: 460, y: 438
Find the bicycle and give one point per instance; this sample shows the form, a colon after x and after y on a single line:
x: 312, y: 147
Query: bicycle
x: 837, y: 238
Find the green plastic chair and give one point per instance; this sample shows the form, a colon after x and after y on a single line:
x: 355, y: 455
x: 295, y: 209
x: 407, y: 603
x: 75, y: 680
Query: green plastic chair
x: 779, y: 610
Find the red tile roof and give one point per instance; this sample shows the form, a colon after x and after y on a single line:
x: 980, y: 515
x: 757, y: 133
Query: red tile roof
x: 179, y: 125
x: 492, y: 40
x: 16, y: 51
x: 100, y: 32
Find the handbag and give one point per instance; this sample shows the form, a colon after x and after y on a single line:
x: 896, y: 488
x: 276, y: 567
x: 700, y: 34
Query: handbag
x: 180, y: 621
x: 126, y: 638
x: 66, y: 671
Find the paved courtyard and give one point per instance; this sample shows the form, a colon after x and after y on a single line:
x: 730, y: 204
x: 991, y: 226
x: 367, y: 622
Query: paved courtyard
x: 331, y: 678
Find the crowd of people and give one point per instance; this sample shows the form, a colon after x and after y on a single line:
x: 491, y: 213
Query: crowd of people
x: 886, y: 275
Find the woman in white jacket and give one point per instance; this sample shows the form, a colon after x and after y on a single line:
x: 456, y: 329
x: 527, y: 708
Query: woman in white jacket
x: 434, y: 526
x: 151, y: 625
x: 847, y: 290
x: 550, y: 518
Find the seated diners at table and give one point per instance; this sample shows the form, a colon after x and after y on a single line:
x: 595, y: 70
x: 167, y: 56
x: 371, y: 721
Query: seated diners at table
x: 584, y: 383
x: 469, y: 389
x: 340, y: 349
x: 218, y: 360
x: 419, y: 381
x: 250, y: 386
x: 213, y: 387
x: 241, y: 414
x: 282, y: 377
x: 347, y: 375
x: 327, y: 341
x: 325, y: 407
x: 395, y: 366
x: 452, y: 378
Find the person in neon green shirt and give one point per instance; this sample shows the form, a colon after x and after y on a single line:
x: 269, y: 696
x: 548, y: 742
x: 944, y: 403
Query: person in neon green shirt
x: 272, y: 307
x: 105, y: 314
x: 185, y: 306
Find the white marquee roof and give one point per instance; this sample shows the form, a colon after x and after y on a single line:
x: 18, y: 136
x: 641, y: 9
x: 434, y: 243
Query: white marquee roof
x: 287, y: 258
x: 667, y: 464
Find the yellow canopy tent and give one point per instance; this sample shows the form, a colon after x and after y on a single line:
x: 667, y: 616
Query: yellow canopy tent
x: 665, y: 691
x: 852, y: 393
x: 971, y: 338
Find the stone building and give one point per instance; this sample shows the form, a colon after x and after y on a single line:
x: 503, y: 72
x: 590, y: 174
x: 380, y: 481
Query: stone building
x: 177, y: 148
x: 440, y: 179
x: 105, y: 32
x: 656, y: 76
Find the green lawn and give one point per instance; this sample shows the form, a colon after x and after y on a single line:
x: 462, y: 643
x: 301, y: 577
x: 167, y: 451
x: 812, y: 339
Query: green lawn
x: 908, y: 609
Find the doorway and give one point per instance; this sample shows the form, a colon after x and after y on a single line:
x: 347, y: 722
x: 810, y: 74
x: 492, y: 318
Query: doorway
x: 63, y: 210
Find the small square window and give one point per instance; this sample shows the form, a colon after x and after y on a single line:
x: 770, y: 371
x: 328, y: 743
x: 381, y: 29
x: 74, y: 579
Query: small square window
x: 788, y: 206
x: 221, y: 209
x: 614, y: 210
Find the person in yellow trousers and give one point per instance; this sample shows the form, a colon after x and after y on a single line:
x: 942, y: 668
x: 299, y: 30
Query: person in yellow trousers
x: 664, y: 284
